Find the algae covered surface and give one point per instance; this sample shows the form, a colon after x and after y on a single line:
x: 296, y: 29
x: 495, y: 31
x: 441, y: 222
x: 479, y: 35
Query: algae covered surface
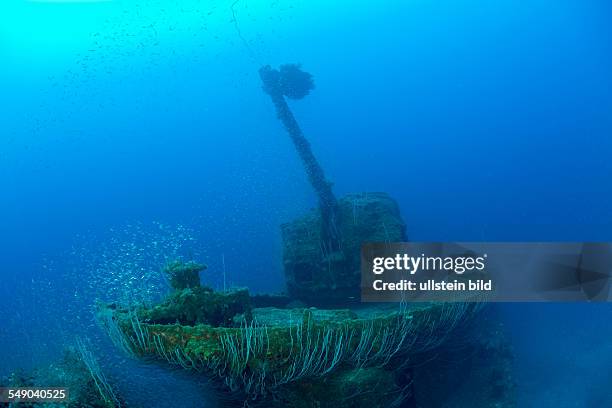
x: 316, y: 275
x: 289, y: 356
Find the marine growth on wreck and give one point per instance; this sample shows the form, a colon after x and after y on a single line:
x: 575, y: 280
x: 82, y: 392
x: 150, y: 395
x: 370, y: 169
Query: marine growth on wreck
x: 263, y: 348
x: 315, y: 345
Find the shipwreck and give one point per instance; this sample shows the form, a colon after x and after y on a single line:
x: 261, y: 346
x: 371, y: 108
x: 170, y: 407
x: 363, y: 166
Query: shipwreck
x: 317, y: 345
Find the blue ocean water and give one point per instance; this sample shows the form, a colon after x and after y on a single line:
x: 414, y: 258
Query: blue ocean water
x: 134, y: 130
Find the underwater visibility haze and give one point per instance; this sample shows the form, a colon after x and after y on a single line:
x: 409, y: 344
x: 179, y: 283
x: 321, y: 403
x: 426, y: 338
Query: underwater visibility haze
x: 183, y: 180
